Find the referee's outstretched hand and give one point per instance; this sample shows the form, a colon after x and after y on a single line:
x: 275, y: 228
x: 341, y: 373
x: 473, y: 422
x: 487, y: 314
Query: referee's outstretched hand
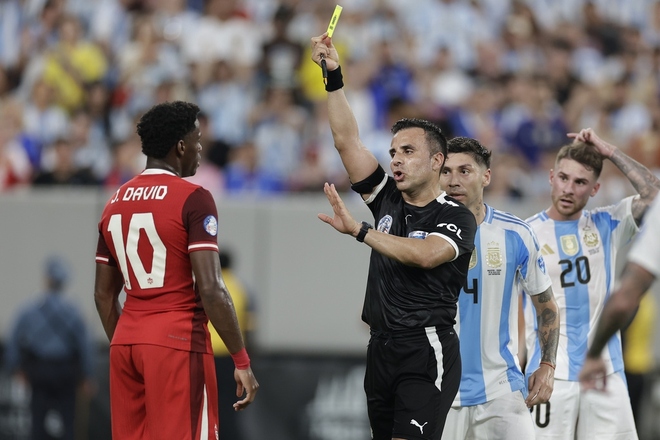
x: 342, y: 220
x: 246, y: 384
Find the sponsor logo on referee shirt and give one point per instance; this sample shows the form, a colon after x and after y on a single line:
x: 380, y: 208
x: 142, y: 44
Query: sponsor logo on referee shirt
x: 452, y: 228
x: 385, y: 224
x: 418, y: 234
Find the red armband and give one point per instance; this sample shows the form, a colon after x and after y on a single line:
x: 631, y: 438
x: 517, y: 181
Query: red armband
x: 241, y: 359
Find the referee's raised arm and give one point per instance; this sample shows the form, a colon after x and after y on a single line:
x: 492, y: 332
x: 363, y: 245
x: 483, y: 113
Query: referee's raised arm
x: 359, y: 162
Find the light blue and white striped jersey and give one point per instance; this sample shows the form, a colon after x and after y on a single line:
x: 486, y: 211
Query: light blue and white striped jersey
x: 506, y: 257
x: 581, y: 259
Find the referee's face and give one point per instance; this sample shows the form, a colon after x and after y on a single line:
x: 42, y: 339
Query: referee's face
x: 412, y: 165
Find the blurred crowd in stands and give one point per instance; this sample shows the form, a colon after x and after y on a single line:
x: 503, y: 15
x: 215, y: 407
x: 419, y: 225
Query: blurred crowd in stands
x: 516, y: 74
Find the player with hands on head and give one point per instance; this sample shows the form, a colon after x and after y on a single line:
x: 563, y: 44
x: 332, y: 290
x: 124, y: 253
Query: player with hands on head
x: 641, y: 270
x: 158, y: 242
x: 492, y: 402
x: 421, y: 245
x: 580, y: 247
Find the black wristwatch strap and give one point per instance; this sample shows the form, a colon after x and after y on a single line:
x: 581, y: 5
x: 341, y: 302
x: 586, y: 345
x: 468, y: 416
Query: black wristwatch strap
x: 363, y: 232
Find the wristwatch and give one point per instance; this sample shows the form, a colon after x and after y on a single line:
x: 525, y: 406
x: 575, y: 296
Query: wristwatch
x: 363, y: 231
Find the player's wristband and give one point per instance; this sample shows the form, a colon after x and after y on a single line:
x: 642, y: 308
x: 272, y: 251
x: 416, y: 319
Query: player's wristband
x: 241, y: 359
x: 335, y: 80
x: 548, y: 364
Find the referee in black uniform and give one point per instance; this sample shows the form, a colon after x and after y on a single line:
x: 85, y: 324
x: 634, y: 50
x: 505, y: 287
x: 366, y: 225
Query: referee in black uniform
x: 421, y: 246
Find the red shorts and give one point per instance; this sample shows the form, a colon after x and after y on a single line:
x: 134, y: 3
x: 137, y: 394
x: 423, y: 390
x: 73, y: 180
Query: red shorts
x: 162, y: 393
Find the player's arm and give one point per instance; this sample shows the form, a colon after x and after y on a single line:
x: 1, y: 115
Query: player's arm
x: 220, y: 310
x: 216, y: 299
x: 107, y: 287
x: 621, y: 306
x: 427, y: 254
x: 541, y: 382
x: 618, y: 311
x: 359, y: 162
x: 641, y: 178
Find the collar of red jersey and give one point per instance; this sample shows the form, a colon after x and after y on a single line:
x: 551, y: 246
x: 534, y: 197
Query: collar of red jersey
x: 151, y: 171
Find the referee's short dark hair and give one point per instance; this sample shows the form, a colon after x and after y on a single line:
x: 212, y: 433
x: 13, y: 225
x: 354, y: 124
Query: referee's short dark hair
x: 434, y: 136
x: 163, y: 125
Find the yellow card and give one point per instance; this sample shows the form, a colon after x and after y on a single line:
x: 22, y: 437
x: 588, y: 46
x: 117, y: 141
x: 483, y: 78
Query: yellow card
x: 334, y: 20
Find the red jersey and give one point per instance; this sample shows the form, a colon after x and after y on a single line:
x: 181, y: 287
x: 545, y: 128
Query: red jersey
x: 147, y: 229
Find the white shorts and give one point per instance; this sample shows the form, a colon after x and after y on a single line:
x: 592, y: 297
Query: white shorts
x: 591, y: 415
x: 503, y: 418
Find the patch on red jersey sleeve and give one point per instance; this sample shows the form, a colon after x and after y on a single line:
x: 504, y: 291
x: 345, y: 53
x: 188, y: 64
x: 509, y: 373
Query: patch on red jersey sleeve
x: 211, y: 225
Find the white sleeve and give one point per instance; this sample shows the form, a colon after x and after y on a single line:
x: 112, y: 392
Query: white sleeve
x: 646, y: 248
x: 625, y: 225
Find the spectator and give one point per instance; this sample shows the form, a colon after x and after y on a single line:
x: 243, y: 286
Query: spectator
x: 72, y: 63
x: 224, y: 32
x: 540, y: 126
x: 91, y: 146
x: 146, y: 61
x: 128, y: 162
x: 174, y: 18
x: 279, y: 125
x: 281, y: 56
x: 15, y: 167
x: 44, y: 120
x: 245, y: 176
x: 393, y: 81
x: 38, y: 34
x: 111, y: 24
x: 64, y: 170
x: 226, y: 99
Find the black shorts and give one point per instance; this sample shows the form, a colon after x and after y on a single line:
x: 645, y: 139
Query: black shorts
x: 410, y: 382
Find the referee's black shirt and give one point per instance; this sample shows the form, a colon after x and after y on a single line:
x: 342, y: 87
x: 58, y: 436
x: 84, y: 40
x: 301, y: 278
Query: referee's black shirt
x: 401, y: 297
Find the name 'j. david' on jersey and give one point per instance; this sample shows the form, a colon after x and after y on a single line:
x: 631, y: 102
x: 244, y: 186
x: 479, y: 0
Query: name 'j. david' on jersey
x: 506, y: 257
x: 581, y: 259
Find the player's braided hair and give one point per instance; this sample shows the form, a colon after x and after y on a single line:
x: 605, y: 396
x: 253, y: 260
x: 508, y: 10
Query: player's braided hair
x: 434, y: 136
x: 163, y: 125
x: 583, y: 153
x: 461, y: 144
